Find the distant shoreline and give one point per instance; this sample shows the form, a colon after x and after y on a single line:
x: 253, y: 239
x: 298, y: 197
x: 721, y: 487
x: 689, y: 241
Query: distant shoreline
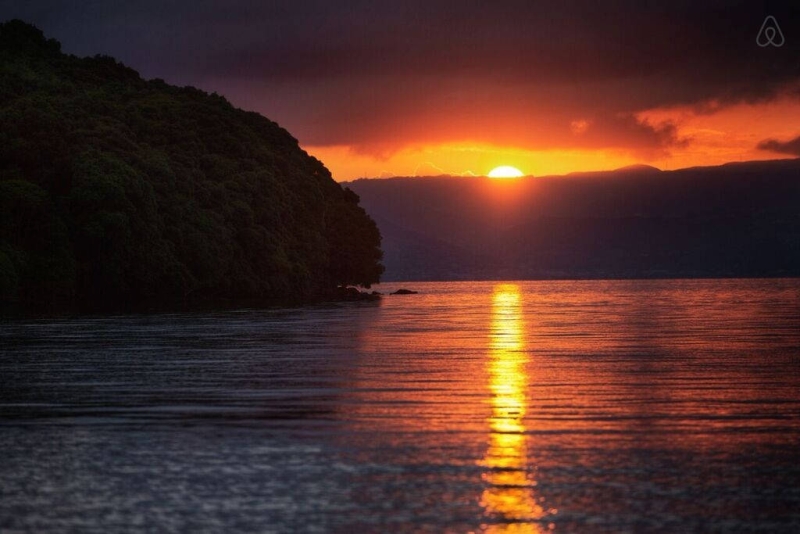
x: 590, y: 279
x: 70, y: 308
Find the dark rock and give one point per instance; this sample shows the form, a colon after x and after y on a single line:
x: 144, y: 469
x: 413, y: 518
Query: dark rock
x: 353, y: 294
x: 404, y: 292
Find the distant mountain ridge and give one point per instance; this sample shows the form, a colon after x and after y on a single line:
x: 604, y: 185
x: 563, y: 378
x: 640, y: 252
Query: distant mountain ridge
x: 733, y: 220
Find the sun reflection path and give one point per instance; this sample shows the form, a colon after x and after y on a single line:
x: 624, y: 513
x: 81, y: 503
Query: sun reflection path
x: 510, y: 501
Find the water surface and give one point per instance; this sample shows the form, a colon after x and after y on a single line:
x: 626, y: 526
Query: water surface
x: 597, y: 406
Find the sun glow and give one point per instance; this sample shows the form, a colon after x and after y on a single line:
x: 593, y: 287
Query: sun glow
x: 505, y: 171
x: 461, y: 159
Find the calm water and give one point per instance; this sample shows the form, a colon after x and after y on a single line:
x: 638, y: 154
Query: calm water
x: 625, y: 406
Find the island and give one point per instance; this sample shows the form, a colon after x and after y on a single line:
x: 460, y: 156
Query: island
x: 117, y: 191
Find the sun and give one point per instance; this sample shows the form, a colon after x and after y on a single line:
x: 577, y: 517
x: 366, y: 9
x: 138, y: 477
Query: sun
x: 505, y: 171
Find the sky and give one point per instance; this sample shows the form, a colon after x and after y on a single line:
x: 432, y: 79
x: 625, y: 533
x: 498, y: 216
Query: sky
x: 439, y: 87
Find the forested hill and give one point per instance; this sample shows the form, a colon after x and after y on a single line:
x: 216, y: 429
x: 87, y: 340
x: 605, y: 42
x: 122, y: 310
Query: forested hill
x: 117, y: 190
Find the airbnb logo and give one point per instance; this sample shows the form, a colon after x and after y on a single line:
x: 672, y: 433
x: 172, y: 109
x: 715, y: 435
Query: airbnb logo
x: 770, y: 33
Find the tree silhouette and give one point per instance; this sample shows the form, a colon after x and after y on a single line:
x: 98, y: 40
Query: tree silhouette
x: 119, y: 190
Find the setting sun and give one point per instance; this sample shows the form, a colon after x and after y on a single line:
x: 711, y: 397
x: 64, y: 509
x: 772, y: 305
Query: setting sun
x: 505, y: 171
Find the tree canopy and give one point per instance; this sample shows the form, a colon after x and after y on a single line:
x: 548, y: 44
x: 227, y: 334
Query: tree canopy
x: 115, y: 189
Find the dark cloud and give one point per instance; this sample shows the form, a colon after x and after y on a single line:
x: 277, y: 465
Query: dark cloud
x: 791, y: 147
x: 366, y: 72
x: 431, y: 110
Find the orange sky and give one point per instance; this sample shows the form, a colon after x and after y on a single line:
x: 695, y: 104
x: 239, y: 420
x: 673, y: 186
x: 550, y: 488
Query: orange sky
x: 704, y: 137
x: 425, y: 88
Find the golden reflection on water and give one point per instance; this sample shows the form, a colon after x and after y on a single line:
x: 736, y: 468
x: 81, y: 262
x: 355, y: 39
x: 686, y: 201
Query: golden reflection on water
x: 510, y: 497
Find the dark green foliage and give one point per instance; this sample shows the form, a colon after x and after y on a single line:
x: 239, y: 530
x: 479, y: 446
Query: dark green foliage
x: 118, y: 190
x: 35, y: 258
x: 351, y: 236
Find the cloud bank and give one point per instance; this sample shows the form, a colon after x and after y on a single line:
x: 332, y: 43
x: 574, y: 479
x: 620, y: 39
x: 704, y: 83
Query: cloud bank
x: 380, y: 76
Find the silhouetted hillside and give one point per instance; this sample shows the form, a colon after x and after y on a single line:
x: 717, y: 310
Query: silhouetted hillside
x: 739, y: 219
x: 117, y: 190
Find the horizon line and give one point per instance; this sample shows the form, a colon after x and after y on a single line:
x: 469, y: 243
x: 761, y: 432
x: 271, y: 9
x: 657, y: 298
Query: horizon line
x: 631, y: 168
